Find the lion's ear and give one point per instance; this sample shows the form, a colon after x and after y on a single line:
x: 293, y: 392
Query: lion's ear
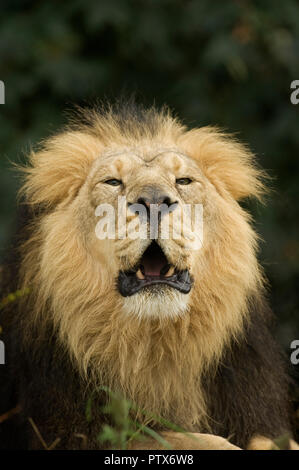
x: 227, y: 163
x: 59, y: 168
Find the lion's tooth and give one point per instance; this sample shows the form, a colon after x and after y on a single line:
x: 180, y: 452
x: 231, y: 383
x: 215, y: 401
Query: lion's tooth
x: 170, y: 272
x: 139, y: 274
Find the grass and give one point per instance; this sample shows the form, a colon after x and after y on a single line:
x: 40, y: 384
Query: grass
x: 125, y: 427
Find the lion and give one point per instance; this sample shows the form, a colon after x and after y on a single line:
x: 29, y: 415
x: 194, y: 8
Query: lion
x: 182, y: 331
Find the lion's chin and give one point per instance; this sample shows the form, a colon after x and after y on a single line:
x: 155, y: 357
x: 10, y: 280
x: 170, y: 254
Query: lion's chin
x: 157, y: 303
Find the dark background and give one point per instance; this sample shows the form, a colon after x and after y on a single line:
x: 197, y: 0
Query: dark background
x: 213, y: 62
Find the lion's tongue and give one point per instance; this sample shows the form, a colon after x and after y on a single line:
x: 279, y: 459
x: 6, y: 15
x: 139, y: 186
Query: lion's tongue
x: 152, y: 267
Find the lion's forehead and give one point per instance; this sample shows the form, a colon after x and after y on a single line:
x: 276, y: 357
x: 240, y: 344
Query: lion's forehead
x: 124, y: 161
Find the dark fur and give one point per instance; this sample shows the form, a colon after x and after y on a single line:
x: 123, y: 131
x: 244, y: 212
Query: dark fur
x: 247, y: 393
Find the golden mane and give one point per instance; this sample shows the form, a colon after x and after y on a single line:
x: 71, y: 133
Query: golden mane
x: 158, y: 363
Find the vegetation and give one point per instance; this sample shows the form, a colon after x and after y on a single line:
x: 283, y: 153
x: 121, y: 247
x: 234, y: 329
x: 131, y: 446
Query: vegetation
x: 125, y: 428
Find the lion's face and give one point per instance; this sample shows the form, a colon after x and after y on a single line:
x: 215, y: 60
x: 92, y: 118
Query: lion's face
x: 151, y: 270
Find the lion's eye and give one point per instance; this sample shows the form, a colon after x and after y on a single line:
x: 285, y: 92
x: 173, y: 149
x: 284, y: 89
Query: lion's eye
x: 113, y: 182
x: 183, y: 181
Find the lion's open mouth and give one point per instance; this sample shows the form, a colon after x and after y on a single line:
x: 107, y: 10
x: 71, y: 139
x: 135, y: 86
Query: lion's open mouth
x: 152, y: 269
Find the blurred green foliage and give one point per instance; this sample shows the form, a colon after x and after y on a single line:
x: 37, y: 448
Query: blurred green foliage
x: 225, y: 63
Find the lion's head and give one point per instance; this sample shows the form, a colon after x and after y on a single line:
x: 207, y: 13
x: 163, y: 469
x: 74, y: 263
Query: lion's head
x: 142, y: 314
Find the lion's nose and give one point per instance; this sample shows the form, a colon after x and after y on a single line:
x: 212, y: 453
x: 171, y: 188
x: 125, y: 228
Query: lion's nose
x: 156, y: 198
